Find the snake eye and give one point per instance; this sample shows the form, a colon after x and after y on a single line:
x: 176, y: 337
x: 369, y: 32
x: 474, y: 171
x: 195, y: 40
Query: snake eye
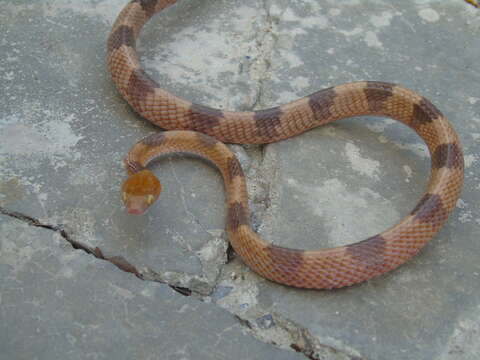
x: 150, y: 199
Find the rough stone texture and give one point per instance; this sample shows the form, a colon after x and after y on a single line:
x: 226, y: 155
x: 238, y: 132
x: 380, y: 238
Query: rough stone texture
x: 64, y: 130
x: 59, y: 303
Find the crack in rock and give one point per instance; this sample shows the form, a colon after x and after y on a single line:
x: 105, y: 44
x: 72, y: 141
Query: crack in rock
x: 299, y: 339
x: 119, y: 261
x: 57, y: 228
x: 260, y: 187
x: 268, y: 327
x: 238, y: 291
x: 213, y: 256
x: 266, y: 44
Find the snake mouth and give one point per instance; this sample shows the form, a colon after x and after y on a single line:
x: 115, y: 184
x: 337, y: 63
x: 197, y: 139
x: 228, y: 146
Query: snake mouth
x: 137, y: 205
x: 136, y: 211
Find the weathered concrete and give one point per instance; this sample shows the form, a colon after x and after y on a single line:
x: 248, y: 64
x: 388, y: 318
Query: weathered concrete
x: 64, y: 130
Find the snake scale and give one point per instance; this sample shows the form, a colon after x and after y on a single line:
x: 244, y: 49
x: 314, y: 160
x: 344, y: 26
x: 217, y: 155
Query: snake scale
x: 201, y: 130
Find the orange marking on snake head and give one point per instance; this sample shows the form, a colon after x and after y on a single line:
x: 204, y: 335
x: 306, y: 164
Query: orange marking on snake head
x: 140, y: 191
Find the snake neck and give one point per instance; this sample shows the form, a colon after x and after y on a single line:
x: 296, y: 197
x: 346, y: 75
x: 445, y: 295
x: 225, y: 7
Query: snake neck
x: 188, y: 142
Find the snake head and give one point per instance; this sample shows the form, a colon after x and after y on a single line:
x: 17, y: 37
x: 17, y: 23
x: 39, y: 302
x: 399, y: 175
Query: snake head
x: 140, y: 191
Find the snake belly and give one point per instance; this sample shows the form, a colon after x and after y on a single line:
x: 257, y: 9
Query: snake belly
x: 318, y: 269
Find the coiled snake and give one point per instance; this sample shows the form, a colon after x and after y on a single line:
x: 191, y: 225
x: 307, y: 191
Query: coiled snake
x: 319, y: 269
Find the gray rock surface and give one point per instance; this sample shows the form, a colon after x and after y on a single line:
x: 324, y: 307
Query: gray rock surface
x: 59, y: 303
x: 64, y: 130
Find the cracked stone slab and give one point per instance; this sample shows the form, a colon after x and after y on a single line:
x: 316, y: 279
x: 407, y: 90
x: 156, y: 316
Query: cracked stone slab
x: 60, y: 303
x: 64, y: 130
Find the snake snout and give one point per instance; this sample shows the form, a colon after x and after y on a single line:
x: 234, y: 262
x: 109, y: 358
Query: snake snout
x: 136, y: 205
x: 140, y: 191
x: 134, y: 211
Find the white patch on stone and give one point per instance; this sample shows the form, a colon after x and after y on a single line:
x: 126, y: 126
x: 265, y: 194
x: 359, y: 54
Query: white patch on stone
x: 465, y: 216
x: 469, y: 160
x: 242, y: 297
x: 382, y: 20
x: 461, y: 204
x: 364, y: 166
x: 346, y: 2
x: 429, y: 15
x: 8, y: 76
x: 276, y: 10
x: 288, y: 15
x: 334, y: 12
x: 147, y: 292
x: 125, y: 293
x: 196, y: 50
x: 243, y: 18
x: 285, y: 96
x: 292, y: 59
x: 408, y: 171
x: 300, y: 82
x: 383, y: 139
x: 107, y: 9
x: 464, y: 339
x: 372, y: 40
x: 355, y: 31
x: 66, y: 272
x: 348, y: 215
x: 53, y: 137
x: 209, y: 251
x: 379, y: 125
x: 317, y: 21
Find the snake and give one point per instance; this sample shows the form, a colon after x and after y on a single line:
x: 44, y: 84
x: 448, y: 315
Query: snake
x: 202, y: 131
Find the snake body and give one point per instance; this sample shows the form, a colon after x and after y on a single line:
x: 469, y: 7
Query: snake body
x: 319, y: 269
